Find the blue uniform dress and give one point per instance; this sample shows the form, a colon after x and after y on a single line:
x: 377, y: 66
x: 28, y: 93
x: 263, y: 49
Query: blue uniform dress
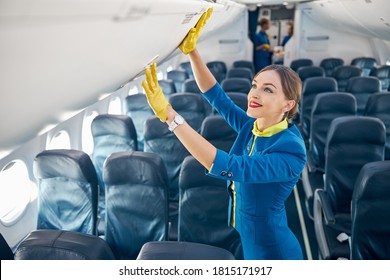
x: 262, y: 169
x: 285, y: 40
x: 262, y: 57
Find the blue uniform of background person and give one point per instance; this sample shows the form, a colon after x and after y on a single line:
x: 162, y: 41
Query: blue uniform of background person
x: 262, y: 178
x: 262, y: 57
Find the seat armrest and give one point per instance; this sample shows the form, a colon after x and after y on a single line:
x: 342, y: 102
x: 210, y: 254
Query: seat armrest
x: 327, y: 210
x: 310, y: 164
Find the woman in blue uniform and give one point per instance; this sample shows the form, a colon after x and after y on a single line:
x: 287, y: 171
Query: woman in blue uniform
x: 266, y: 159
x: 262, y: 46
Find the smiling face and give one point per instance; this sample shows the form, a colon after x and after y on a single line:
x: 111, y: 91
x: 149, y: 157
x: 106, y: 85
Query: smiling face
x: 266, y: 99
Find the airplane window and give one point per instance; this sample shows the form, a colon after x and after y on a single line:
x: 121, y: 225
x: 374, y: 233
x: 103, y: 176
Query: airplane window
x: 16, y: 190
x: 59, y: 141
x: 87, y: 139
x: 160, y: 75
x: 133, y: 90
x: 169, y: 68
x: 115, y: 106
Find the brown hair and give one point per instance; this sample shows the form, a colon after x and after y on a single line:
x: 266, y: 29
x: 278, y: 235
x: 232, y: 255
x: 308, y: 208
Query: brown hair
x: 291, y: 85
x: 263, y: 21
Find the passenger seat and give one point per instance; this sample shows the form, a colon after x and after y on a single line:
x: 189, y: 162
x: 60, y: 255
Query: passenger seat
x: 362, y: 88
x: 67, y: 191
x: 136, y: 202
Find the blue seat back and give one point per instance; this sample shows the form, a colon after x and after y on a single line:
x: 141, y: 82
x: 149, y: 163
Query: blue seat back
x: 326, y: 108
x: 240, y: 99
x: 136, y: 201
x: 329, y: 64
x: 178, y: 77
x: 236, y: 85
x: 240, y: 73
x: 312, y: 87
x: 297, y: 63
x: 364, y: 63
x: 186, y: 66
x: 378, y: 106
x: 138, y: 109
x: 191, y: 107
x: 383, y: 74
x: 67, y: 191
x: 362, y: 88
x: 159, y: 140
x: 111, y: 133
x: 216, y: 130
x: 371, y: 213
x: 190, y: 85
x: 203, y: 210
x: 310, y: 72
x: 218, y: 66
x: 244, y: 64
x: 343, y: 73
x: 168, y: 86
x: 351, y: 143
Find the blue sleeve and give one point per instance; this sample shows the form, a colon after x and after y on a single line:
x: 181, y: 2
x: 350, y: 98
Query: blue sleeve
x: 259, y: 168
x: 234, y: 115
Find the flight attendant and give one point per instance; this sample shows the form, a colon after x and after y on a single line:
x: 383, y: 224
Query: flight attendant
x: 266, y: 159
x: 262, y: 46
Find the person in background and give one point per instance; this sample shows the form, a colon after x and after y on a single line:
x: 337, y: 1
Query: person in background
x: 290, y: 31
x: 262, y: 46
x: 266, y: 159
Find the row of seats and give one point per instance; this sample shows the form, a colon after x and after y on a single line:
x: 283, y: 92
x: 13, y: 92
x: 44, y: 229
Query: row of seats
x: 362, y: 88
x: 334, y: 67
x: 67, y: 245
x: 136, y: 200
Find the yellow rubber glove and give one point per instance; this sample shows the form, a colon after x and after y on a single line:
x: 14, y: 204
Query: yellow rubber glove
x: 154, y: 93
x: 189, y: 42
x: 267, y: 47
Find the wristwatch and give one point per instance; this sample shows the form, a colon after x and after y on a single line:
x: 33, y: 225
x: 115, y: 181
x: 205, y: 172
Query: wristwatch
x: 178, y: 120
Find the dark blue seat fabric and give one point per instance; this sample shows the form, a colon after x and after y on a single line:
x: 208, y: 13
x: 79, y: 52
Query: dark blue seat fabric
x: 178, y: 77
x: 219, y: 76
x: 371, y: 213
x: 190, y: 85
x: 218, y: 66
x: 378, y: 106
x: 310, y: 72
x: 383, y: 74
x: 297, y: 63
x: 5, y: 251
x: 168, y: 86
x: 170, y: 250
x: 364, y: 63
x: 136, y: 201
x: 236, y: 85
x: 217, y: 131
x: 240, y: 73
x: 190, y: 106
x: 348, y: 148
x: 159, y: 140
x: 312, y: 87
x: 343, y: 73
x: 186, y: 66
x: 240, y: 99
x: 326, y: 108
x: 111, y: 133
x: 67, y: 191
x: 362, y: 88
x: 62, y: 245
x: 138, y: 109
x: 329, y: 64
x: 203, y: 209
x: 244, y: 64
